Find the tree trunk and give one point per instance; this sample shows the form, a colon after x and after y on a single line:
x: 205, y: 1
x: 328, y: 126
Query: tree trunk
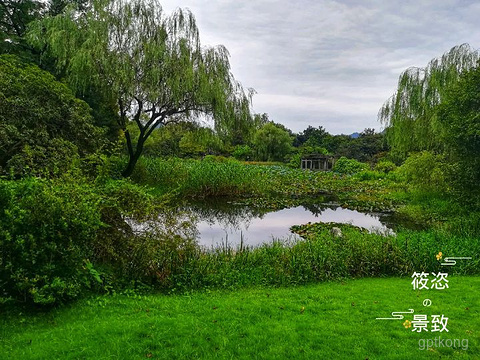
x: 132, y: 161
x: 131, y: 165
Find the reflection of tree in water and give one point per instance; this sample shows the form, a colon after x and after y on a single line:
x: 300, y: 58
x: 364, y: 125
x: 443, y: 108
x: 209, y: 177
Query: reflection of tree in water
x: 223, y: 212
x: 316, y: 209
x: 169, y: 223
x: 233, y: 215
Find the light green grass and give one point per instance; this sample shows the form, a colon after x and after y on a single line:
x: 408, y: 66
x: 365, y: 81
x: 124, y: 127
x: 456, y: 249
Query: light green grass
x: 338, y: 322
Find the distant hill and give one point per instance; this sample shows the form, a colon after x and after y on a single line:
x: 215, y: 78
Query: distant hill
x: 355, y: 135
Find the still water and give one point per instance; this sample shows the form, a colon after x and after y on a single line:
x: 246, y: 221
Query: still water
x: 220, y: 224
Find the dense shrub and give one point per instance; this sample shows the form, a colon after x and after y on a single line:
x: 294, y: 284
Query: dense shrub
x: 53, y: 159
x: 242, y: 152
x: 349, y: 166
x: 43, y: 127
x: 385, y: 166
x: 426, y: 171
x: 56, y: 234
x: 369, y: 175
x: 47, y: 232
x: 201, y: 141
x: 321, y: 256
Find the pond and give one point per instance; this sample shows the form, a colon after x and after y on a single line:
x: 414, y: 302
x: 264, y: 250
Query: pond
x: 221, y: 222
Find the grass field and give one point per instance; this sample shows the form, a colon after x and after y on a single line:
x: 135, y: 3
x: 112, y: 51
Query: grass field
x: 332, y: 320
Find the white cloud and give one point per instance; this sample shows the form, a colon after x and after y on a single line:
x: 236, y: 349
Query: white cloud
x: 330, y: 63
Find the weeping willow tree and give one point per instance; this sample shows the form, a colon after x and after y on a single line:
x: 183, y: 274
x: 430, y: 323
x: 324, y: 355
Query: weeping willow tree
x: 153, y: 65
x: 410, y: 115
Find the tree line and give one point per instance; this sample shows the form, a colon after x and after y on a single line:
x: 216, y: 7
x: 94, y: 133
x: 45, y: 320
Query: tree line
x: 140, y: 79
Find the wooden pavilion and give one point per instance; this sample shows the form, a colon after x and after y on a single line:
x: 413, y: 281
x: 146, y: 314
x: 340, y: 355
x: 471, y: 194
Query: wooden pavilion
x: 317, y: 162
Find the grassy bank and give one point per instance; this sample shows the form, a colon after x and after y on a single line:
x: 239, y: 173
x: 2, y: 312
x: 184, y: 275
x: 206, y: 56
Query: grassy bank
x: 275, y: 186
x: 318, y: 257
x: 227, y: 177
x: 333, y: 320
x: 63, y: 237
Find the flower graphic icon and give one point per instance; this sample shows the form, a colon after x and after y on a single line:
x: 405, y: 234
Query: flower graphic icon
x: 439, y: 255
x: 407, y: 324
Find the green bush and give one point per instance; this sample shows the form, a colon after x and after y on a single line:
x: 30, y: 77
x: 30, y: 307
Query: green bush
x: 55, y: 158
x: 44, y: 129
x: 216, y: 158
x: 426, y: 171
x: 55, y: 235
x: 295, y: 160
x: 369, y: 175
x: 272, y: 143
x: 385, y: 166
x: 349, y: 166
x: 47, y: 232
x: 242, y: 152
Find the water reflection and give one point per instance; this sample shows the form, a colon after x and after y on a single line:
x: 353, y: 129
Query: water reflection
x: 225, y: 223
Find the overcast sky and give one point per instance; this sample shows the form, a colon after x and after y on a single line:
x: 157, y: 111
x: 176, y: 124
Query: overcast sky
x: 330, y: 63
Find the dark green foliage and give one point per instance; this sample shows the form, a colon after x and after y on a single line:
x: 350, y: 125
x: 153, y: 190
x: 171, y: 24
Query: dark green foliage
x: 43, y: 127
x: 104, y: 111
x: 200, y: 142
x: 459, y: 115
x: 385, y: 166
x: 55, y: 158
x: 14, y: 18
x: 367, y: 147
x: 364, y: 148
x: 56, y: 236
x: 314, y: 136
x: 17, y: 15
x: 242, y: 152
x: 56, y: 7
x: 349, y: 166
x: 165, y: 141
x: 272, y: 143
x: 46, y: 235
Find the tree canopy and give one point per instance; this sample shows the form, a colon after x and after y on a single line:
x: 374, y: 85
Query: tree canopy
x: 410, y: 115
x: 459, y: 115
x: 153, y: 65
x: 272, y: 142
x: 15, y: 17
x: 40, y: 119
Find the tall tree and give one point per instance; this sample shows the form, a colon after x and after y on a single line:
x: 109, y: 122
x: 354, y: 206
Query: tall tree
x: 272, y: 142
x: 15, y: 15
x: 152, y: 64
x: 411, y: 113
x: 459, y: 115
x: 314, y: 136
x: 56, y: 7
x: 41, y: 123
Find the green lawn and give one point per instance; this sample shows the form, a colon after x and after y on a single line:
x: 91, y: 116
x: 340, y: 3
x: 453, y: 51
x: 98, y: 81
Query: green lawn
x: 325, y: 321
